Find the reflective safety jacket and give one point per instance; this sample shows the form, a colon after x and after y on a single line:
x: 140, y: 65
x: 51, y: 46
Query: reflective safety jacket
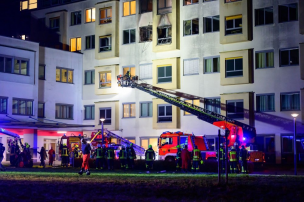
x: 232, y: 155
x: 196, y: 155
x: 64, y: 151
x: 99, y: 153
x: 122, y: 154
x: 222, y: 154
x: 131, y: 153
x: 76, y: 152
x: 243, y: 154
x: 179, y: 154
x: 110, y: 153
x: 150, y: 155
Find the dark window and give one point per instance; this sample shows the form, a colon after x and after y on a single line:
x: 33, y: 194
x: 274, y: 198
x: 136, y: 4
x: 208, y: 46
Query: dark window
x: 212, y: 24
x: 89, y: 77
x: 189, y: 2
x: 64, y: 111
x: 235, y: 109
x: 55, y: 24
x: 287, y: 144
x: 64, y: 75
x: 105, y: 113
x: 164, y: 113
x: 146, y: 6
x: 164, y: 35
x: 264, y: 59
x: 234, y: 67
x: 105, y: 15
x: 164, y: 74
x: 3, y: 105
x: 164, y: 7
x: 213, y: 104
x: 146, y: 109
x: 234, y: 25
x: 288, y: 12
x: 265, y: 103
x: 22, y: 107
x: 105, y: 43
x: 212, y: 65
x: 129, y: 36
x: 289, y: 57
x: 41, y: 110
x: 90, y: 42
x: 191, y: 27
x: 264, y: 16
x: 290, y: 101
x: 145, y: 34
x: 42, y: 72
x: 76, y: 18
x: 89, y: 112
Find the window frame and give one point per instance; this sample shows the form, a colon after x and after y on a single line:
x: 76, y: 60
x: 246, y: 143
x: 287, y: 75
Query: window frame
x: 92, y: 108
x: 256, y: 102
x: 6, y: 106
x: 255, y: 23
x: 212, y: 26
x: 264, y: 51
x: 129, y: 30
x: 213, y: 105
x: 290, y: 93
x: 140, y: 109
x: 165, y: 2
x: 64, y: 105
x: 164, y: 105
x: 140, y: 6
x: 130, y: 67
x: 61, y: 68
x: 192, y: 102
x: 41, y: 65
x: 189, y: 59
x: 212, y: 57
x: 128, y: 103
x: 289, y: 49
x: 123, y: 4
x: 235, y: 58
x: 234, y: 101
x: 85, y: 16
x: 191, y: 34
x: 18, y: 109
x: 19, y: 61
x: 147, y: 28
x: 76, y: 21
x: 145, y: 64
x: 168, y: 39
x: 105, y: 72
x: 92, y: 74
x: 76, y: 45
x: 43, y: 104
x: 109, y: 46
x: 109, y: 20
x: 190, y: 3
x: 234, y: 28
x: 92, y: 45
x: 164, y: 66
x: 231, y: 1
x: 55, y: 28
x: 288, y: 12
x: 105, y: 108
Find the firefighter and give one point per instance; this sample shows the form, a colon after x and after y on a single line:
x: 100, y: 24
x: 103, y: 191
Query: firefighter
x: 131, y: 156
x: 237, y: 149
x: 222, y: 157
x: 86, y: 150
x: 123, y: 158
x: 12, y: 152
x: 2, y: 149
x: 196, y: 157
x: 150, y: 157
x: 243, y: 158
x: 110, y: 158
x: 185, y: 158
x: 99, y: 157
x: 43, y: 156
x: 64, y: 156
x: 128, y: 78
x: 178, y: 159
x: 76, y: 151
x: 233, y: 160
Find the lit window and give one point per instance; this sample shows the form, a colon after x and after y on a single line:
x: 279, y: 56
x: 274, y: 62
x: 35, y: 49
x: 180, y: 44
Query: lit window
x: 42, y: 72
x: 23, y: 37
x: 22, y: 107
x: 89, y: 112
x: 90, y: 42
x: 189, y: 2
x: 146, y: 109
x: 105, y: 79
x: 193, y: 102
x: 129, y: 8
x: 164, y: 74
x: 76, y: 18
x: 105, y: 15
x: 105, y: 113
x: 20, y: 67
x: 145, y: 34
x: 164, y: 7
x: 265, y: 103
x: 212, y: 64
x: 89, y: 77
x: 23, y: 5
x: 164, y: 35
x: 264, y: 59
x: 129, y: 36
x: 235, y: 109
x: 146, y: 6
x: 32, y: 4
x: 129, y: 69
x: 289, y: 57
x: 191, y: 27
x: 90, y: 15
x: 234, y: 25
x: 290, y: 101
x: 234, y: 66
x: 55, y: 24
x: 64, y: 111
x: 212, y: 24
x: 129, y: 110
x: 105, y: 43
x: 75, y: 44
x: 64, y: 75
x: 3, y: 105
x: 164, y: 113
x: 288, y: 12
x: 41, y: 110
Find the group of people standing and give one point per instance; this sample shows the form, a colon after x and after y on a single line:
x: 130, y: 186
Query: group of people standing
x: 43, y: 156
x: 184, y: 158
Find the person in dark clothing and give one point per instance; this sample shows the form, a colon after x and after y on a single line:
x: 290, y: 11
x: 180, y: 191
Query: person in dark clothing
x: 2, y: 149
x: 64, y: 155
x: 100, y: 155
x: 86, y: 149
x: 123, y: 158
x: 243, y: 158
x: 131, y: 156
x: 51, y: 156
x: 43, y: 156
x: 186, y: 156
x: 150, y: 157
x: 178, y: 158
x: 110, y: 158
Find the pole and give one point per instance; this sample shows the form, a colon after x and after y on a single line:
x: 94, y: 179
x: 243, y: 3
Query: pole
x: 226, y: 154
x: 218, y: 156
x: 102, y: 140
x: 295, y: 146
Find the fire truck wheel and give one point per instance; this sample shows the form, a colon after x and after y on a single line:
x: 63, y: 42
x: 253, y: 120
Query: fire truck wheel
x: 169, y: 159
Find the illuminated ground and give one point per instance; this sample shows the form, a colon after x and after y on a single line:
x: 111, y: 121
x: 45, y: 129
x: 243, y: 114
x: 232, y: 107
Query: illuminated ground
x: 56, y: 184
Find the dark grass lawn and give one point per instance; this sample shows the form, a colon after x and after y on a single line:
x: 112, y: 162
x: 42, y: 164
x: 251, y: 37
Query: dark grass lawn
x: 66, y: 185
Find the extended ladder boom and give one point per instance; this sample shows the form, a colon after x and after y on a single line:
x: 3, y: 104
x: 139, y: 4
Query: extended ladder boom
x: 6, y: 132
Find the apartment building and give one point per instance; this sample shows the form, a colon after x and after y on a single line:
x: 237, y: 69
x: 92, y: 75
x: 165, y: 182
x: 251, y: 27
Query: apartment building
x: 241, y: 56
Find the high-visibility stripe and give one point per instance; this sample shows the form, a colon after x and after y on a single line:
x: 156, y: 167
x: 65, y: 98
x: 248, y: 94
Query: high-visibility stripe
x: 234, y: 17
x: 164, y: 65
x: 233, y: 58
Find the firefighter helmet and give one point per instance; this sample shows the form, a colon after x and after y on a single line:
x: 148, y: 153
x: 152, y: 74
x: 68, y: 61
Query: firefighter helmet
x: 150, y: 146
x: 178, y: 146
x: 64, y: 144
x: 99, y: 145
